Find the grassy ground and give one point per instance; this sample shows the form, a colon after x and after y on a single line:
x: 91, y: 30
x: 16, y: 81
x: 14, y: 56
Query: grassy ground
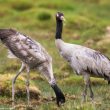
x: 86, y: 23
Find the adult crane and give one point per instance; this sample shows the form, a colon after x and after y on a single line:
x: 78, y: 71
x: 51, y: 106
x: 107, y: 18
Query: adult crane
x: 33, y: 56
x: 84, y: 61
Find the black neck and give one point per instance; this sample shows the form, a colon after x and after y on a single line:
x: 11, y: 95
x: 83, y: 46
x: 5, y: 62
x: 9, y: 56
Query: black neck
x: 59, y: 27
x: 60, y: 98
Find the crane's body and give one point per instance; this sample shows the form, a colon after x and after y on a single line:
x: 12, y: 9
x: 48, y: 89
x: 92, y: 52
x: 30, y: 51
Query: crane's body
x: 33, y: 56
x: 27, y: 50
x: 84, y: 61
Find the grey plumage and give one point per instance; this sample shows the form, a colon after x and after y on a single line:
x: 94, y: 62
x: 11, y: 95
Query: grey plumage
x: 32, y: 55
x: 83, y: 60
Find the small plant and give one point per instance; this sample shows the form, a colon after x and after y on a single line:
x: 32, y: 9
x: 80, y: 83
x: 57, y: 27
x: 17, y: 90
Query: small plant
x: 44, y: 16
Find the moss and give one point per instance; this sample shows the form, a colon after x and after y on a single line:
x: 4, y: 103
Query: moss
x: 20, y: 89
x: 44, y: 16
x: 22, y: 5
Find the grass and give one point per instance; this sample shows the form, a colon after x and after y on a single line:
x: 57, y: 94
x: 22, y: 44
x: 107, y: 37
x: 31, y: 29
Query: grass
x: 85, y: 21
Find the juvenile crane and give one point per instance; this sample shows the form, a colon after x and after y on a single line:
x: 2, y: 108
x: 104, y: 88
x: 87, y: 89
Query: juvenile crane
x: 84, y: 61
x: 33, y: 56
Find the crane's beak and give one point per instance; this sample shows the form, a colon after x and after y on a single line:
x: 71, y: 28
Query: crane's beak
x: 62, y: 18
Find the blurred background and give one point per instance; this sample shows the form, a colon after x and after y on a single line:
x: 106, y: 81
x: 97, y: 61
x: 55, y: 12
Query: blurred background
x: 87, y: 23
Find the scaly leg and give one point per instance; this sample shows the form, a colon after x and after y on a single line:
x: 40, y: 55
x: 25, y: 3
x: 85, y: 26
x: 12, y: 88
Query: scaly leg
x: 91, y: 92
x: 14, y: 80
x: 87, y: 85
x: 87, y: 81
x: 27, y: 84
x: 84, y: 93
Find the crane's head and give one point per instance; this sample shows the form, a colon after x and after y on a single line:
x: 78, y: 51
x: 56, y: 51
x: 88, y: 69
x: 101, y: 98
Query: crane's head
x: 60, y: 16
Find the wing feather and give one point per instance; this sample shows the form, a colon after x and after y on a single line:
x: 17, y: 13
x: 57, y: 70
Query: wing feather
x: 11, y: 55
x: 26, y: 49
x: 93, y: 62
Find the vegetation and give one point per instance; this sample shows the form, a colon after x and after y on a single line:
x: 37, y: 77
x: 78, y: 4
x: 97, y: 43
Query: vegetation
x: 86, y: 24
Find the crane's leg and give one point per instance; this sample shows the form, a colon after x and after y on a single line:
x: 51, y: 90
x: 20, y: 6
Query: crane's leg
x: 87, y: 85
x: 14, y: 80
x: 91, y: 92
x: 27, y: 84
x: 86, y: 81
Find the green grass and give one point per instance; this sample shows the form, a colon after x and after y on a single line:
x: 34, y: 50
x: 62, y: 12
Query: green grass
x: 85, y: 20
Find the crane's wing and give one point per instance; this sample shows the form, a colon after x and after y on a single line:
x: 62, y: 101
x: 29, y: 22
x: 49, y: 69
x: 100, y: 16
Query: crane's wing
x: 93, y: 62
x: 11, y: 55
x: 23, y: 47
x: 28, y: 48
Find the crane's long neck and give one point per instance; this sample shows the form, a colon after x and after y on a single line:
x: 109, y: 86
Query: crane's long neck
x: 59, y: 27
